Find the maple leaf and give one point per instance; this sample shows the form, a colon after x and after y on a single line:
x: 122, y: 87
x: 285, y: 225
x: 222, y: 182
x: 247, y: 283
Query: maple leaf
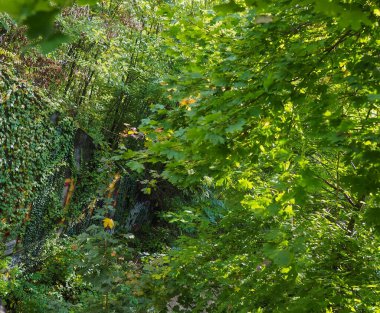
x: 187, y: 101
x: 108, y: 223
x: 184, y: 102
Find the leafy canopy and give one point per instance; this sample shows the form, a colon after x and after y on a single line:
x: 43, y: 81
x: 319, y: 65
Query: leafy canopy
x: 275, y: 104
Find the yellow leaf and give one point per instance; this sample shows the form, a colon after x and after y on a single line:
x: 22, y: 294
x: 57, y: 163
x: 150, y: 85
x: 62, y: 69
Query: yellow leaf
x: 289, y: 210
x: 184, y: 102
x: 108, y: 223
x: 288, y: 107
x: 187, y: 101
x: 156, y: 276
x: 285, y: 270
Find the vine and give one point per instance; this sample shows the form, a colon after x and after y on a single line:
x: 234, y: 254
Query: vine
x: 35, y: 143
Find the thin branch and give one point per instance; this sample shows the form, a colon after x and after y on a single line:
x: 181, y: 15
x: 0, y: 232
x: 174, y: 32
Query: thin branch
x: 337, y: 188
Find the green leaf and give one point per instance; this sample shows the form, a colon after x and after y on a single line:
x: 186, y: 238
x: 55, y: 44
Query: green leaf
x: 237, y: 127
x: 330, y: 8
x: 53, y: 41
x: 373, y: 97
x: 354, y: 18
x: 136, y: 166
x: 215, y: 139
x: 230, y: 7
x: 245, y: 184
x: 372, y: 216
x: 41, y: 23
x: 12, y: 7
x: 268, y: 81
x: 280, y: 257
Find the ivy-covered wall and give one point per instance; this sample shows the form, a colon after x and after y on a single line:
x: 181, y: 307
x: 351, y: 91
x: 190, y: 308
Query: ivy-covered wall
x: 35, y: 144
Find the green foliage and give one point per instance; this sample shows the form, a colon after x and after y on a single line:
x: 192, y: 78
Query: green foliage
x: 119, y: 60
x: 33, y: 148
x: 53, y: 286
x: 271, y: 105
x: 277, y: 105
x: 88, y: 273
x: 104, y: 260
x: 39, y: 16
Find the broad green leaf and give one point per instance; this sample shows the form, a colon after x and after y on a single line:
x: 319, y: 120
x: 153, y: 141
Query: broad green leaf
x: 135, y: 166
x: 41, y: 23
x: 237, y: 127
x: 372, y: 216
x: 53, y: 41
x: 230, y: 7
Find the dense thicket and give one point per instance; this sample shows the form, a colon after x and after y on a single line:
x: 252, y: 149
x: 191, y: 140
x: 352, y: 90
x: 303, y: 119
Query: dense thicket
x: 262, y: 118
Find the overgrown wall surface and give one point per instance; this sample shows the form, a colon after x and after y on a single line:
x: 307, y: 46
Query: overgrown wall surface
x: 33, y: 147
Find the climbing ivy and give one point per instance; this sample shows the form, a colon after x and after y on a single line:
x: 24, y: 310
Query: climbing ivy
x: 34, y: 147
